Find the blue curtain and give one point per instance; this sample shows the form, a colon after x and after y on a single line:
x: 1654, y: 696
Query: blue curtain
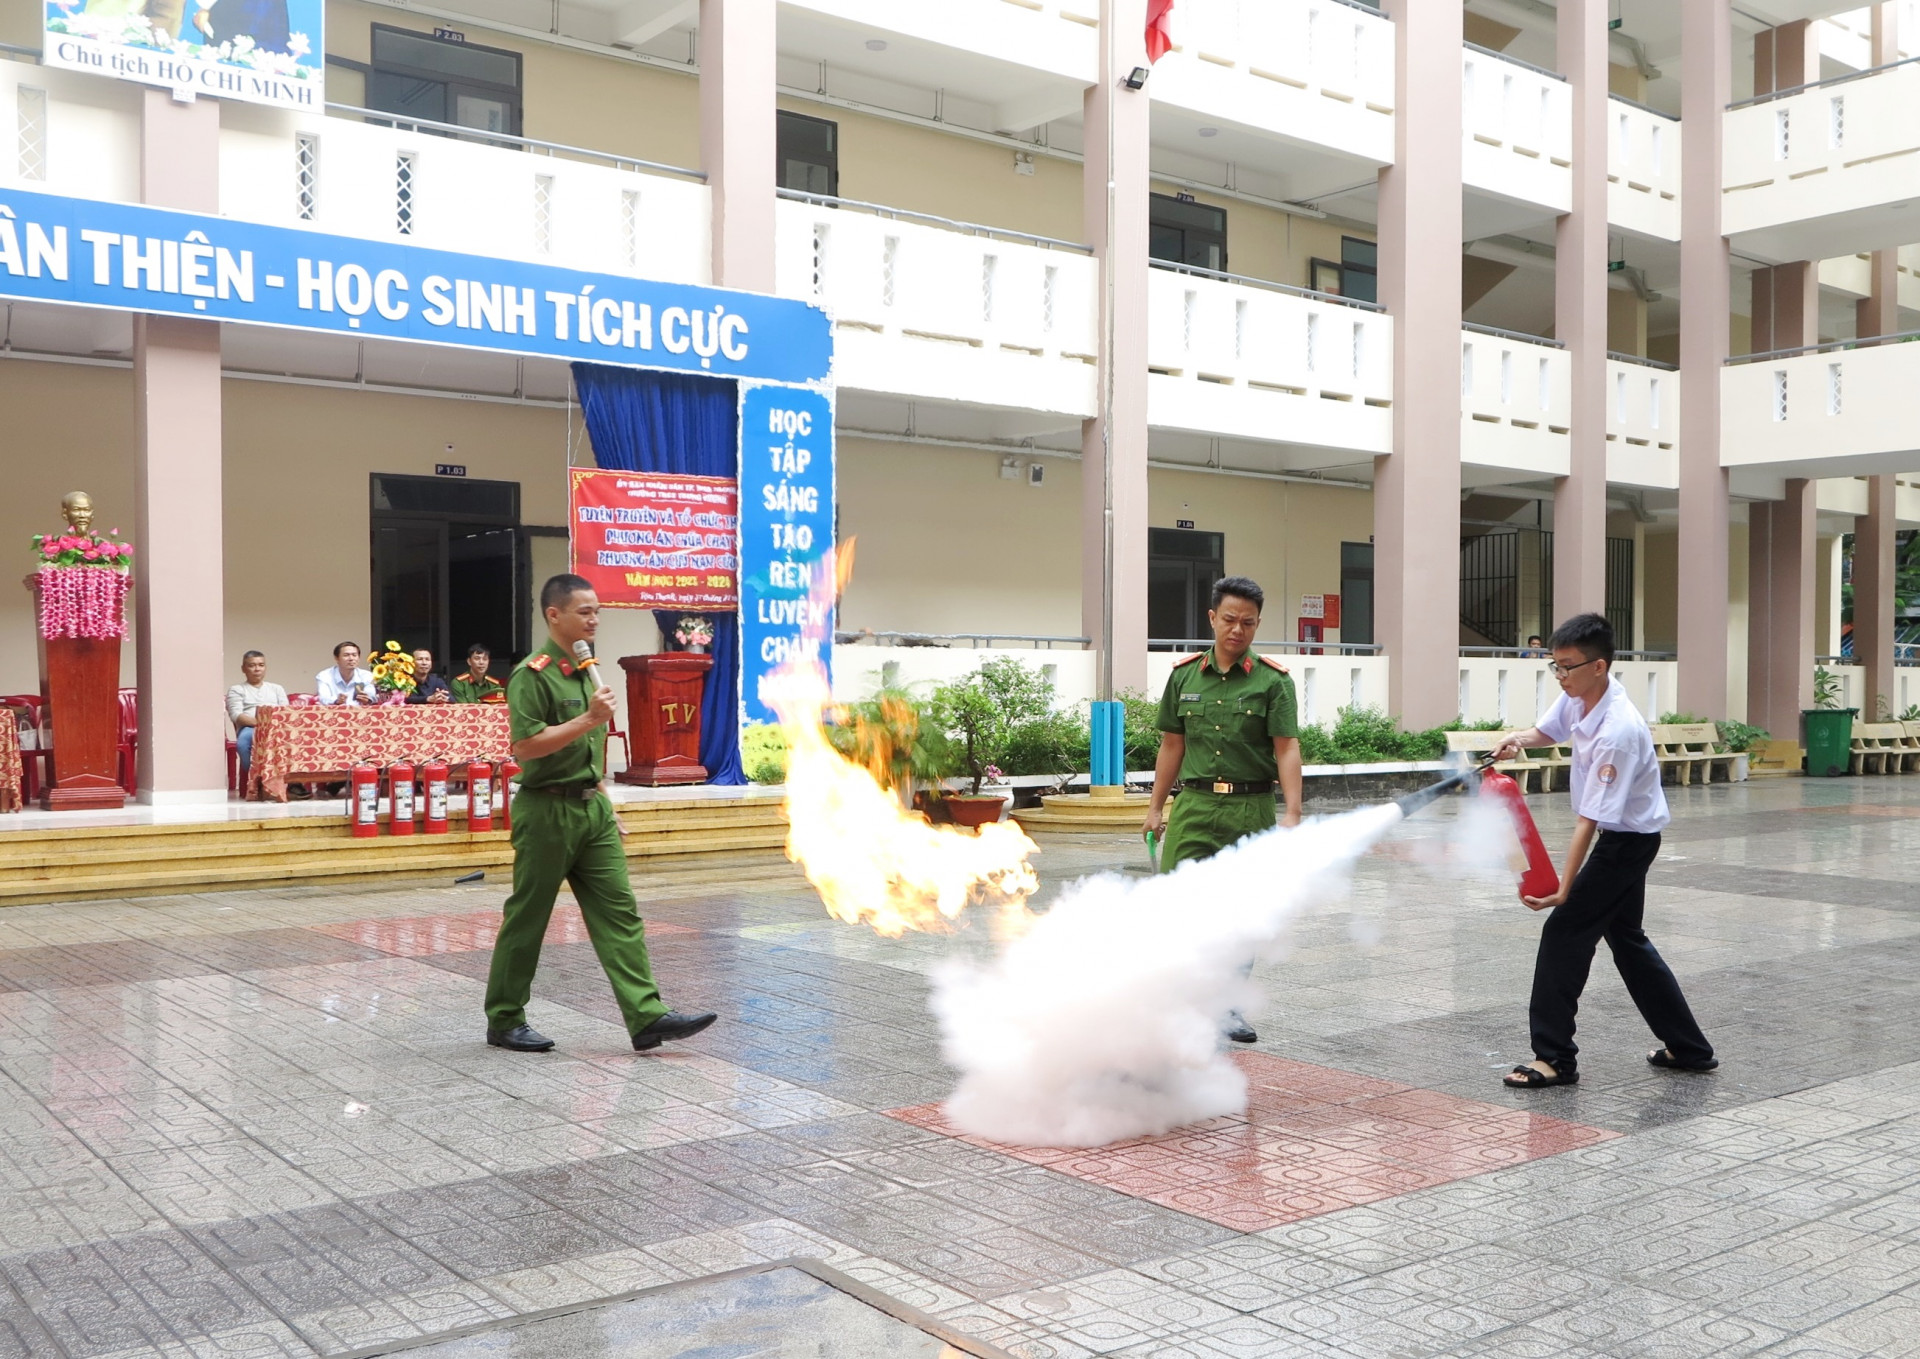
x: 674, y: 422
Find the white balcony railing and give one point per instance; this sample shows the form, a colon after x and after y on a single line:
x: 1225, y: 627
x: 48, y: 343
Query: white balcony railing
x: 1643, y: 424
x: 504, y: 198
x: 1518, y: 129
x: 1313, y: 71
x: 1822, y: 172
x: 1516, y: 689
x: 1243, y: 359
x: 1060, y: 37
x: 1643, y: 170
x: 1835, y: 410
x: 1515, y: 402
x: 947, y: 311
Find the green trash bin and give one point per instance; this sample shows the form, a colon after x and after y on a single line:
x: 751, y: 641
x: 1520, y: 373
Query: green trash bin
x: 1828, y: 736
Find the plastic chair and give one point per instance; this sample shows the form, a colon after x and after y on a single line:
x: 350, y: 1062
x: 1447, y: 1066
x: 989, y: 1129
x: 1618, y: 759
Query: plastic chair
x: 130, y: 740
x: 615, y: 734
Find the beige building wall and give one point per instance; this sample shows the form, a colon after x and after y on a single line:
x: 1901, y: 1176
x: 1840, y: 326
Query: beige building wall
x: 1662, y: 593
x: 570, y: 96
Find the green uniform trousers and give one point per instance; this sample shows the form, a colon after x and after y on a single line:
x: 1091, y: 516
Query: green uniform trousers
x: 562, y: 839
x: 1201, y: 824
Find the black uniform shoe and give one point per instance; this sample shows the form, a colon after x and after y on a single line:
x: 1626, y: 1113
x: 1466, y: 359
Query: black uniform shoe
x: 520, y: 1038
x: 1238, y: 1030
x: 671, y: 1026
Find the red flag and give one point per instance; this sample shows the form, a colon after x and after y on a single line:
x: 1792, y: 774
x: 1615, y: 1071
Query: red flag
x: 1159, y: 29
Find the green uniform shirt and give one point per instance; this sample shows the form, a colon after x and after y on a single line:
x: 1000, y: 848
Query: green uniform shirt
x: 466, y: 689
x: 544, y: 691
x: 1230, y: 717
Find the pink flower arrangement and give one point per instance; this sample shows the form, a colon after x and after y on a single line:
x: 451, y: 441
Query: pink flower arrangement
x: 82, y: 601
x: 83, y: 584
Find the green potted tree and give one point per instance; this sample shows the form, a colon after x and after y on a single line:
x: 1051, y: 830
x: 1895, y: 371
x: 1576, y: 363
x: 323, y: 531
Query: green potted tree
x: 894, y: 736
x: 1827, y: 728
x: 979, y: 715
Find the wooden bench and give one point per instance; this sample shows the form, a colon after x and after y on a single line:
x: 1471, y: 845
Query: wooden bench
x: 1879, y: 748
x: 1477, y: 743
x: 1690, y: 747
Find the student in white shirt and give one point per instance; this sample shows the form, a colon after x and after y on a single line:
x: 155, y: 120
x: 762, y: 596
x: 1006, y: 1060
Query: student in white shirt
x: 344, y: 682
x: 1621, y: 811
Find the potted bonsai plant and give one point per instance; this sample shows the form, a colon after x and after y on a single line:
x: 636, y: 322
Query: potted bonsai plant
x: 979, y: 714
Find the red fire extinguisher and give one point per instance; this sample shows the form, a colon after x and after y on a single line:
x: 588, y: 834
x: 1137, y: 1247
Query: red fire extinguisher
x: 364, y: 780
x: 479, y: 795
x: 434, y: 775
x: 509, y: 771
x: 400, y: 787
x: 1540, y: 879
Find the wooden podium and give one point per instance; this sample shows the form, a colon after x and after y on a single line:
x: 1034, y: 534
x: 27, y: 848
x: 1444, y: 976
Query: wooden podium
x: 80, y: 686
x: 663, y: 717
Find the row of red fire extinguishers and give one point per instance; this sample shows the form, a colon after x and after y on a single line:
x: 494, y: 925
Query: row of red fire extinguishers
x: 489, y: 789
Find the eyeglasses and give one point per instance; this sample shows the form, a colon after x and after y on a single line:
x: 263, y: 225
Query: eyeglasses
x: 1562, y: 671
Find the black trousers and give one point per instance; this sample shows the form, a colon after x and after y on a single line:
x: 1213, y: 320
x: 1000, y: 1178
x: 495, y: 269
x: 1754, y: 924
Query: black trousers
x: 1608, y: 899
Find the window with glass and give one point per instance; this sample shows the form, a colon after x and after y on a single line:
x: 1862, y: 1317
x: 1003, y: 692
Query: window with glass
x: 440, y: 80
x: 1182, y: 231
x: 808, y: 150
x: 1359, y: 269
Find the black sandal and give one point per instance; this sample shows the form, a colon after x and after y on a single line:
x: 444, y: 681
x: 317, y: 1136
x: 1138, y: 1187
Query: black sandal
x: 1662, y: 1058
x: 1533, y: 1078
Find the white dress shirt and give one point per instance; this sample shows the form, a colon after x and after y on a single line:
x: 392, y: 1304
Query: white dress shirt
x: 1615, y: 776
x: 329, y: 686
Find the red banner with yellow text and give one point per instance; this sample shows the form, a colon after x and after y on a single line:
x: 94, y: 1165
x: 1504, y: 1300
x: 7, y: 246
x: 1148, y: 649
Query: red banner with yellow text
x: 652, y: 540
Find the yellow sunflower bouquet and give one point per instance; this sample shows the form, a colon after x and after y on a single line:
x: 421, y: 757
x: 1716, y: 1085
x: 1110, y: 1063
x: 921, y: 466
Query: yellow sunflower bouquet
x: 393, y: 670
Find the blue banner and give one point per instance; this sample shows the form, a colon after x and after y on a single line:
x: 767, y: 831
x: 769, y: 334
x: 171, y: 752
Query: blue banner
x: 786, y: 532
x: 128, y: 258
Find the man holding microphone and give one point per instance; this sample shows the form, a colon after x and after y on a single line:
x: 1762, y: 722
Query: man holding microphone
x: 1620, y: 811
x: 564, y: 829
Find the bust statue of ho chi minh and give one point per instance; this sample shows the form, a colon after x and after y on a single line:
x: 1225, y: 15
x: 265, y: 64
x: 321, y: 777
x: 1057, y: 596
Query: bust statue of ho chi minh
x: 77, y: 506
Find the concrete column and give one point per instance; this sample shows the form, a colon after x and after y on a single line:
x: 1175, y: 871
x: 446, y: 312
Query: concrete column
x: 1873, y: 598
x: 179, y: 604
x: 1416, y: 488
x: 1780, y: 609
x: 1706, y: 60
x: 1785, y: 58
x: 1878, y: 313
x: 1113, y: 467
x: 1580, y: 320
x: 737, y: 137
x: 1786, y: 306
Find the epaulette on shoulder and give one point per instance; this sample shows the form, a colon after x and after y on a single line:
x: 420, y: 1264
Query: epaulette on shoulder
x: 1277, y: 665
x: 1188, y: 660
x: 540, y: 662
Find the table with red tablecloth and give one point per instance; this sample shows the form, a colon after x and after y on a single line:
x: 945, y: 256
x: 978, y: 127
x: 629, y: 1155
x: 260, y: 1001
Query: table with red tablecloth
x: 307, y: 744
x: 9, y: 762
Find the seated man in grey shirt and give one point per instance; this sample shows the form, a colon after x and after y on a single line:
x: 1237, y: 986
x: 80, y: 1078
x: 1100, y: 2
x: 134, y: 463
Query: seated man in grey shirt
x: 244, y: 702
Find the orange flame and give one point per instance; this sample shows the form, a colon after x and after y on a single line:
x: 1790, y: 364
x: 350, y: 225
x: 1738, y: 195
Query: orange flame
x: 872, y: 860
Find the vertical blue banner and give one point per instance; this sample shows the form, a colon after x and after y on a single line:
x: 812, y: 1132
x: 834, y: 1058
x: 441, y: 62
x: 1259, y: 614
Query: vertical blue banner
x: 786, y: 530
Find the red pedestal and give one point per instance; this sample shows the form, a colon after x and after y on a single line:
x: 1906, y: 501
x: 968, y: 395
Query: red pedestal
x: 80, y: 684
x: 663, y: 716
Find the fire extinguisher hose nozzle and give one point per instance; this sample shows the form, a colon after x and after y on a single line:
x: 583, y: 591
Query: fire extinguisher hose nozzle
x: 1414, y: 801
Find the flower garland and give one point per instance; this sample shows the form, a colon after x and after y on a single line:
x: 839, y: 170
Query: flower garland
x: 83, y: 584
x: 79, y: 601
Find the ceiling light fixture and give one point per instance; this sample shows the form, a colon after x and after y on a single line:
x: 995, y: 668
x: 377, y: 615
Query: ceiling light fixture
x: 876, y: 44
x: 1209, y: 132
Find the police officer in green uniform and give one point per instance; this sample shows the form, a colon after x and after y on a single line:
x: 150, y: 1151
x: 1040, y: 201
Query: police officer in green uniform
x: 1229, y: 730
x: 477, y: 686
x: 564, y: 829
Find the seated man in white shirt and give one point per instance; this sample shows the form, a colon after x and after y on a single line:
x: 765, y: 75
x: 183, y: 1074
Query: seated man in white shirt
x: 1615, y: 781
x: 344, y: 683
x: 244, y: 702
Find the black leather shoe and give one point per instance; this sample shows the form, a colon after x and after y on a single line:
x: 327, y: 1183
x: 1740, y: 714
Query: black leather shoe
x: 520, y: 1038
x: 1239, y: 1031
x: 671, y: 1026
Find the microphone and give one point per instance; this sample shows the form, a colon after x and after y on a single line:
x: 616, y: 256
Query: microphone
x: 583, y: 653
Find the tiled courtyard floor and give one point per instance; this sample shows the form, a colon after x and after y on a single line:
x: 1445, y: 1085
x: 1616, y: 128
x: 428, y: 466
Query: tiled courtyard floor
x: 264, y: 1123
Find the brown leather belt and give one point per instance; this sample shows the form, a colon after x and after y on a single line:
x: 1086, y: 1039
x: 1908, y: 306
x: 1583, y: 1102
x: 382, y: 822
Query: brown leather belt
x: 1225, y: 786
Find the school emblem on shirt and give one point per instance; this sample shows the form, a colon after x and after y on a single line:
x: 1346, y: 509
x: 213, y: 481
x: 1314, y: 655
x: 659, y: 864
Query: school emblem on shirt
x: 1607, y: 773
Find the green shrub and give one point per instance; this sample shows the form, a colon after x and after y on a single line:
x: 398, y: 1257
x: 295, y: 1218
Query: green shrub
x: 1826, y: 688
x: 980, y: 712
x: 1678, y: 720
x: 763, y: 752
x: 1740, y: 736
x: 896, y: 737
x: 1055, y: 745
